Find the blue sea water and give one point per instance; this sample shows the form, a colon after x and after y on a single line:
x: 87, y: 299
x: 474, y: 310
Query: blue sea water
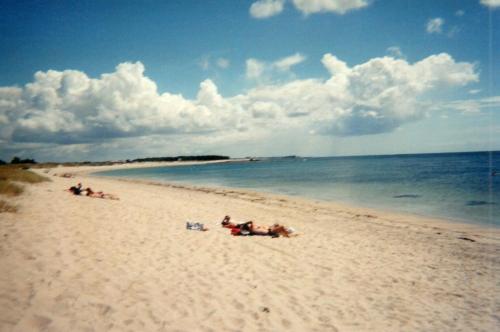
x: 455, y: 186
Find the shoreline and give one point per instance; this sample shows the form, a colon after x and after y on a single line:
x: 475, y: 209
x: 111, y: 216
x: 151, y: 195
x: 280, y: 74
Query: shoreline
x: 75, y: 263
x: 392, y: 215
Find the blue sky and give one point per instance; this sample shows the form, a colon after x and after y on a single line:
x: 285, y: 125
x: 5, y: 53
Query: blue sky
x: 250, y: 103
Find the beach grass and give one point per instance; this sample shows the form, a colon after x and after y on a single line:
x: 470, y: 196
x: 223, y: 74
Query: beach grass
x: 9, y: 188
x: 18, y: 174
x: 10, y: 177
x: 6, y: 207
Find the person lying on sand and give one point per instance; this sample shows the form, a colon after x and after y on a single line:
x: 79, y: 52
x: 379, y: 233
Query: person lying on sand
x: 99, y: 194
x: 227, y: 223
x: 76, y: 190
x: 250, y: 228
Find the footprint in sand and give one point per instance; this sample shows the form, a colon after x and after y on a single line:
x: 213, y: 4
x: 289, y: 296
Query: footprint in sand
x: 238, y: 322
x: 40, y: 323
x: 128, y: 322
x: 286, y: 323
x: 238, y: 305
x: 102, y: 309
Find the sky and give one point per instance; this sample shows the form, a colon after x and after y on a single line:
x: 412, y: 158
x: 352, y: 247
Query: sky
x: 114, y: 80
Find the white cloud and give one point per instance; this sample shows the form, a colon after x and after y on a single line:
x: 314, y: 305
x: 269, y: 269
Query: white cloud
x: 254, y: 69
x: 263, y: 71
x: 288, y: 62
x: 435, y: 25
x: 68, y: 108
x: 491, y: 3
x: 395, y: 52
x: 460, y: 13
x: 334, y: 65
x: 266, y: 8
x: 336, y: 6
x: 223, y: 63
x: 468, y: 106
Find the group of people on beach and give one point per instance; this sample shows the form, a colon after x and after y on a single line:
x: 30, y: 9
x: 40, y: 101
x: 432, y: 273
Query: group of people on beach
x: 246, y: 228
x: 78, y: 190
x: 250, y: 228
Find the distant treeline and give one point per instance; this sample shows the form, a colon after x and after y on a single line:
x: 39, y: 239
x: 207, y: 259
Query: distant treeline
x: 17, y: 160
x: 179, y: 158
x: 32, y: 163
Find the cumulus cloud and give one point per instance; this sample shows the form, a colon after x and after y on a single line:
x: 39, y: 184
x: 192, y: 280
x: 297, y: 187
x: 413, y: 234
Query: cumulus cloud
x: 491, y: 3
x: 434, y: 25
x: 68, y: 108
x: 266, y: 8
x: 336, y: 6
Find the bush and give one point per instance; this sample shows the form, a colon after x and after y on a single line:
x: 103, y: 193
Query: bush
x: 17, y: 160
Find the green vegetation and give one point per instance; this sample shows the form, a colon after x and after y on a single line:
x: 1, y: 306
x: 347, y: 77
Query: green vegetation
x: 10, y: 176
x: 31, y: 163
x: 182, y: 158
x: 17, y: 160
x: 10, y: 189
x: 12, y: 173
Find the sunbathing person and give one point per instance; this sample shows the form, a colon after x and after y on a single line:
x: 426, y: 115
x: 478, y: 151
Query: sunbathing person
x: 250, y: 228
x: 280, y: 230
x: 99, y: 194
x: 275, y: 230
x: 76, y: 190
x: 227, y: 223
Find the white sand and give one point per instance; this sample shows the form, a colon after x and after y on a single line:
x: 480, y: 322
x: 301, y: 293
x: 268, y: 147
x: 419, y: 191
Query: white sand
x: 71, y: 263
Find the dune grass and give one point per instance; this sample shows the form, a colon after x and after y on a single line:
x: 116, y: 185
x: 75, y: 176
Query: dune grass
x: 6, y: 207
x: 9, y: 188
x: 10, y: 177
x: 18, y: 174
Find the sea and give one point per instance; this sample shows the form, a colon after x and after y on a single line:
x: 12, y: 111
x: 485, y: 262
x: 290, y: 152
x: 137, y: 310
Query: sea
x: 463, y: 187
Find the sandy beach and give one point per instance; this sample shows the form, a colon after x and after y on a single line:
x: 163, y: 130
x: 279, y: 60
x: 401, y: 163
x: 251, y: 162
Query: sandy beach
x: 74, y: 263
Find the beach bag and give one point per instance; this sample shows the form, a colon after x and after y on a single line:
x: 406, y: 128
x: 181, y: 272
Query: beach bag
x: 194, y: 226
